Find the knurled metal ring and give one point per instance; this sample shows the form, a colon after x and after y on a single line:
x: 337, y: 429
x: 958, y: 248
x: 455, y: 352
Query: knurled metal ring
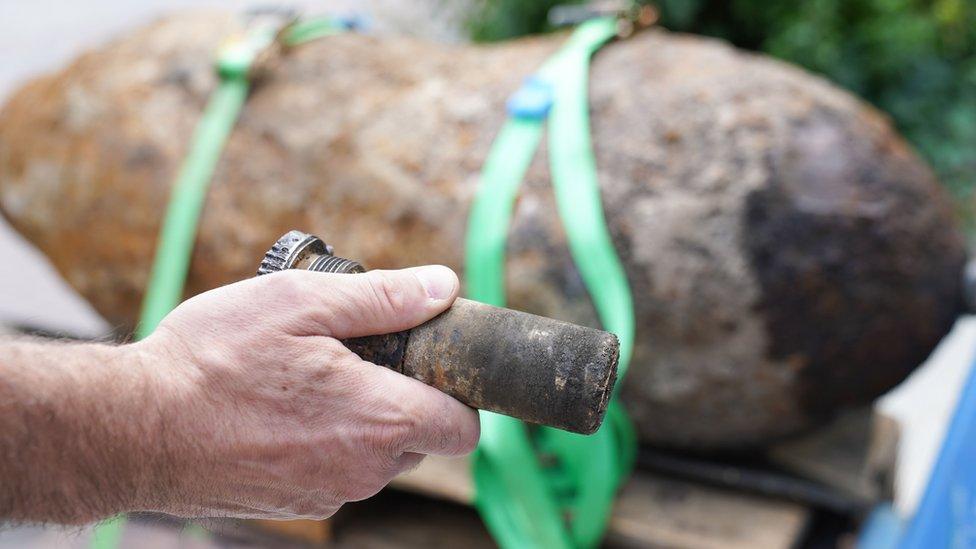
x: 290, y: 249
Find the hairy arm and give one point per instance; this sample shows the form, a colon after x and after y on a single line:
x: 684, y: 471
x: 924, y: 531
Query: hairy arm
x: 243, y: 403
x: 77, y: 437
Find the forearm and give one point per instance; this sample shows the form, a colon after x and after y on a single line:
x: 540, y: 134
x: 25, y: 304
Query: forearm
x: 78, y: 430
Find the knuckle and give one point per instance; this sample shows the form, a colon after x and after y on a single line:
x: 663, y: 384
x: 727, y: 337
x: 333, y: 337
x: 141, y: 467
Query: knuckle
x: 389, y: 437
x: 387, y: 293
x: 443, y: 438
x: 285, y: 287
x: 453, y: 441
x: 387, y: 444
x: 323, y: 320
x: 469, y: 438
x: 470, y: 430
x: 328, y: 350
x: 458, y: 431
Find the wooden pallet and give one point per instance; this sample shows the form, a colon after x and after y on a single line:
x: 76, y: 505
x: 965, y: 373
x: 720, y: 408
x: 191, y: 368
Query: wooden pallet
x: 652, y: 510
x: 853, y: 455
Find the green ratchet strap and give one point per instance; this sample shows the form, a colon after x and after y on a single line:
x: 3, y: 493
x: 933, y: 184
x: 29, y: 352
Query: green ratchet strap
x: 179, y: 228
x: 536, y: 486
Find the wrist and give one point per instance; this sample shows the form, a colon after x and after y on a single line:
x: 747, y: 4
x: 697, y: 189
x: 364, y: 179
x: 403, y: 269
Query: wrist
x: 154, y: 461
x: 138, y: 390
x: 124, y: 425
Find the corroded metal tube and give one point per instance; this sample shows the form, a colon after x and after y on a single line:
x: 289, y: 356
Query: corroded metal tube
x: 530, y: 367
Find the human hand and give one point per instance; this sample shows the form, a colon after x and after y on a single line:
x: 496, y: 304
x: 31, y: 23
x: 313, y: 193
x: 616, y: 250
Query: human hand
x: 264, y: 413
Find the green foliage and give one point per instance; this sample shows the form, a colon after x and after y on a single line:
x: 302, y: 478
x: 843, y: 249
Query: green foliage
x: 494, y: 20
x: 915, y: 59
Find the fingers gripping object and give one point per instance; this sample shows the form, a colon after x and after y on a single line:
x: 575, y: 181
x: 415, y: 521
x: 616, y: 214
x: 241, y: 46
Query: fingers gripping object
x: 529, y: 367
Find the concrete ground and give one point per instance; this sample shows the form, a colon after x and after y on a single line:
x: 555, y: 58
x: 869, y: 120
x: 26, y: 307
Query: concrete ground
x: 41, y: 35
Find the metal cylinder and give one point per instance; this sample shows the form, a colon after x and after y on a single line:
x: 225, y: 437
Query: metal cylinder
x: 533, y: 368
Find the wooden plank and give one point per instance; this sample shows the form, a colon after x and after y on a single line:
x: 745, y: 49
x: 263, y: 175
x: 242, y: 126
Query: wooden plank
x: 313, y: 532
x: 440, y: 477
x: 652, y: 510
x: 855, y: 454
x: 396, y: 519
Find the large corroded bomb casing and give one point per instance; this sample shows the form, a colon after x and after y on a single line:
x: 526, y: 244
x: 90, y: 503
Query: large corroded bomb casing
x: 789, y: 255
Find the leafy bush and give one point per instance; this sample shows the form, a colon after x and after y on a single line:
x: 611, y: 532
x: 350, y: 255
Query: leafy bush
x: 915, y: 59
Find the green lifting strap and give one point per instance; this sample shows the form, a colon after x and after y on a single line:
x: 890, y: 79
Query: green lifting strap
x: 524, y: 503
x: 179, y: 228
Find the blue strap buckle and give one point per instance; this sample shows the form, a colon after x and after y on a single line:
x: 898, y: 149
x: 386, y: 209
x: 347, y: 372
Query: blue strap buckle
x: 353, y: 22
x: 532, y: 101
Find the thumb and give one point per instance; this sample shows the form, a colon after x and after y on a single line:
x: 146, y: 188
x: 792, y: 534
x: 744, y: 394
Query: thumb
x: 380, y: 302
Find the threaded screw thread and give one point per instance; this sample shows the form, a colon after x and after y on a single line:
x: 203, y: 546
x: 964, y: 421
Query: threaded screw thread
x: 333, y: 264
